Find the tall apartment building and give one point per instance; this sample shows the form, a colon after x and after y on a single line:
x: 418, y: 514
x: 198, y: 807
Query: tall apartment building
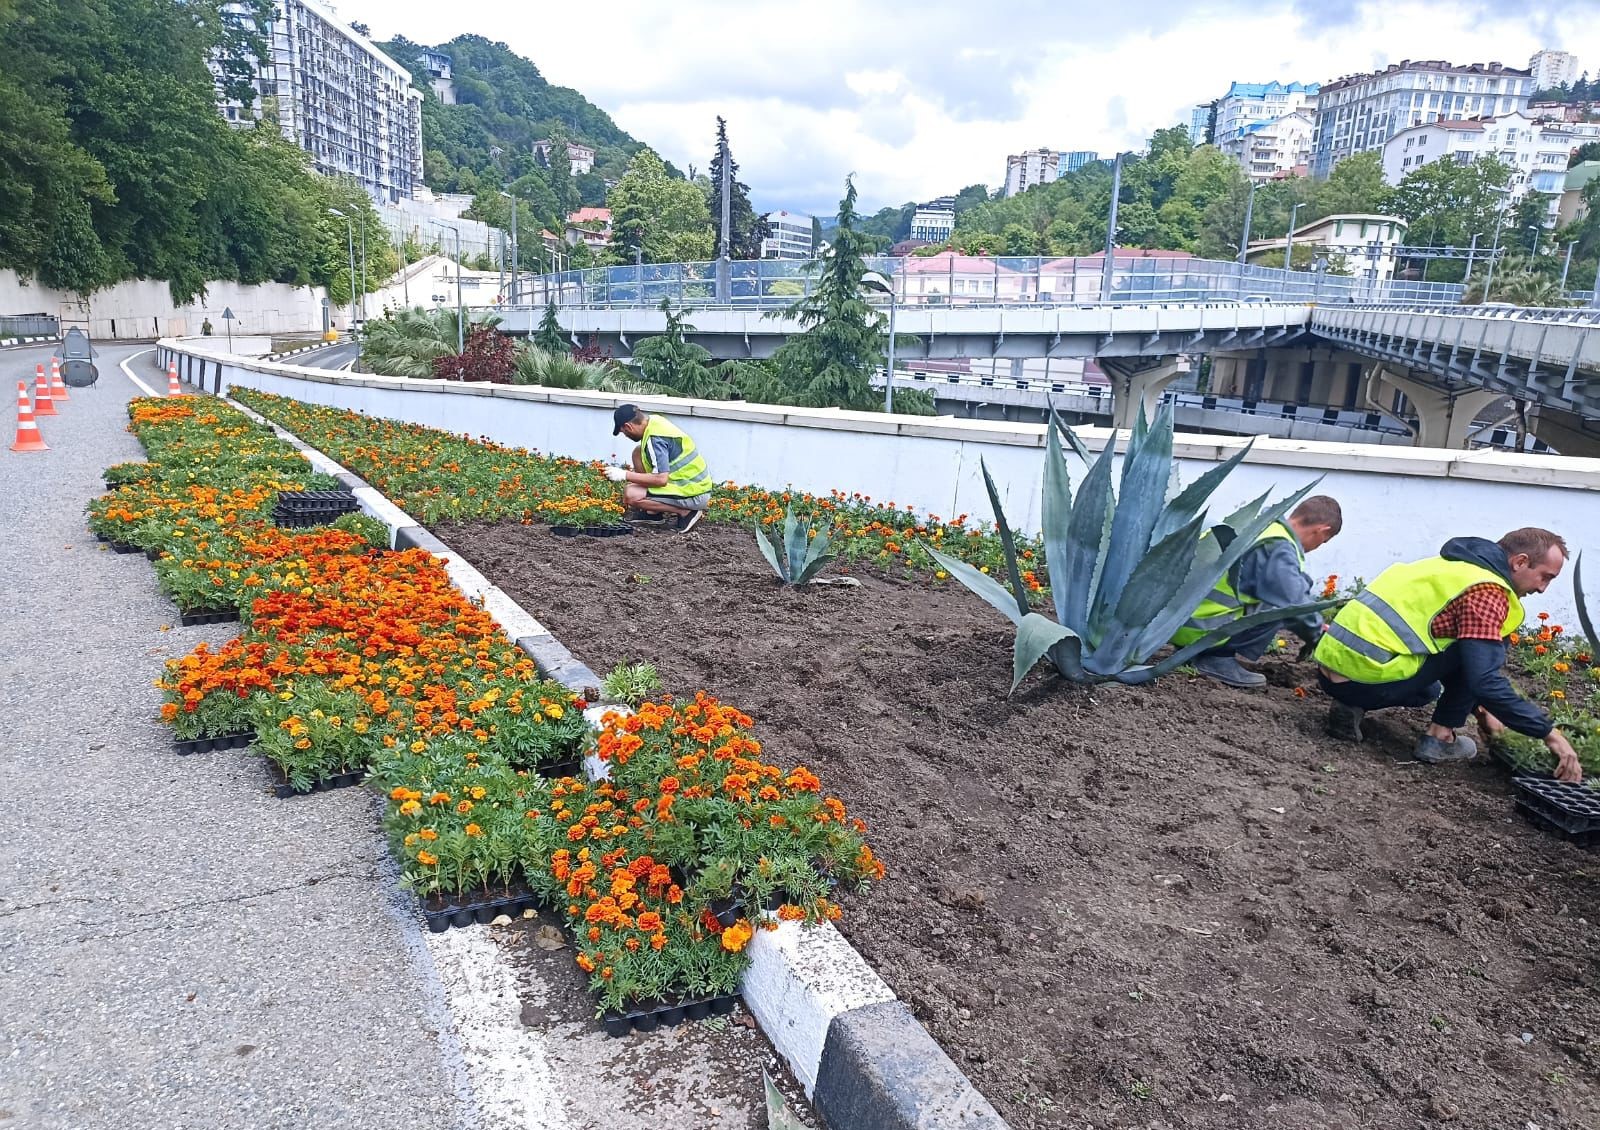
x: 335, y: 95
x: 1360, y: 113
x: 1200, y: 122
x: 1536, y: 152
x: 1074, y: 159
x: 438, y: 66
x: 1553, y: 68
x: 935, y: 220
x: 1036, y: 166
x: 790, y: 238
x: 1266, y: 126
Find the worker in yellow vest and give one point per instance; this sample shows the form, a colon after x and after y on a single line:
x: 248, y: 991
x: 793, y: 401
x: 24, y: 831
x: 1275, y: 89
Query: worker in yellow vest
x: 668, y: 478
x: 1271, y: 574
x: 1436, y: 629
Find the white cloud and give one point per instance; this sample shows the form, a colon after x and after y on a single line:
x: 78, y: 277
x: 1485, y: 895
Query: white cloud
x: 921, y: 99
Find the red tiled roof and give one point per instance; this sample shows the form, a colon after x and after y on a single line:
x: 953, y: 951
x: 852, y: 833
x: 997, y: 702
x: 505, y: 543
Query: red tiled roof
x: 586, y: 215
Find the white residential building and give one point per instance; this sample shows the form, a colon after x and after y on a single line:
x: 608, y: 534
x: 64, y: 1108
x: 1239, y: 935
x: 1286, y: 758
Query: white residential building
x: 790, y: 238
x: 579, y: 156
x: 1553, y: 68
x: 1036, y: 166
x: 1248, y: 106
x: 1278, y: 148
x: 347, y: 104
x: 438, y: 65
x: 1360, y: 113
x: 1536, y: 151
x: 1365, y: 243
x: 935, y: 220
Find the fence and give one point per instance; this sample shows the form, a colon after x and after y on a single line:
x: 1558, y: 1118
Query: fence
x: 29, y: 325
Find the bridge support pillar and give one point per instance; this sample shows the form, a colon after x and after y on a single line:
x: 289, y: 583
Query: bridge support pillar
x: 1568, y: 433
x: 1137, y: 381
x: 1443, y: 417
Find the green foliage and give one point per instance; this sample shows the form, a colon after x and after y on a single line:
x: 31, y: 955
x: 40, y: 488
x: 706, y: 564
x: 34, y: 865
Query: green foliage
x: 535, y: 366
x: 408, y: 343
x: 549, y: 336
x: 1127, y: 568
x: 673, y: 363
x: 832, y: 361
x: 802, y: 553
x: 1521, y: 280
x: 747, y: 228
x: 631, y: 683
x: 655, y: 212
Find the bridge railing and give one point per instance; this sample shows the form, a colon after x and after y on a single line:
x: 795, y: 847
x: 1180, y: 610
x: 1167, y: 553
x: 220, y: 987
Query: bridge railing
x: 29, y: 325
x: 976, y: 280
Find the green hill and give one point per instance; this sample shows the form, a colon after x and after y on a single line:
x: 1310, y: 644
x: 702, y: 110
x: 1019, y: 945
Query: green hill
x: 503, y: 102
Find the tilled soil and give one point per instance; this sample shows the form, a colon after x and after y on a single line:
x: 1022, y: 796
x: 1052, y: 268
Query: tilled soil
x: 1173, y: 906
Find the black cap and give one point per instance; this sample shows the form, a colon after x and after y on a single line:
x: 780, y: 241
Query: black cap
x: 623, y: 414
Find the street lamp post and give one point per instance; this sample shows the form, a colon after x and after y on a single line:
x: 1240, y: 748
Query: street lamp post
x: 350, y: 242
x: 1288, y: 240
x: 363, y: 266
x: 1471, y: 254
x: 461, y: 322
x: 883, y: 282
x: 1567, y: 266
x: 516, y: 265
x: 1494, y: 247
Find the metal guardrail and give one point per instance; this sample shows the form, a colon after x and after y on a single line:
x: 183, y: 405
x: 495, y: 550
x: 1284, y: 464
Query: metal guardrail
x: 976, y: 280
x: 29, y: 325
x: 1497, y: 311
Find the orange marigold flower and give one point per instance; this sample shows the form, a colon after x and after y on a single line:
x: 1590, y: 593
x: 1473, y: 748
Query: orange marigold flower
x: 474, y: 830
x: 657, y: 941
x: 427, y: 858
x: 464, y: 807
x: 737, y: 936
x: 789, y: 912
x: 428, y: 834
x: 585, y: 963
x: 410, y: 808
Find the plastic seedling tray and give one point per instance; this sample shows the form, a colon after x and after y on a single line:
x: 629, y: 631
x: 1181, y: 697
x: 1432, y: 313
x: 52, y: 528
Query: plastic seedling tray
x: 282, y: 789
x: 1572, y: 809
x: 666, y: 1014
x: 555, y: 770
x: 442, y: 911
x: 1498, y: 753
x: 200, y: 616
x: 219, y: 742
x: 337, y: 500
x: 124, y: 547
x: 612, y: 531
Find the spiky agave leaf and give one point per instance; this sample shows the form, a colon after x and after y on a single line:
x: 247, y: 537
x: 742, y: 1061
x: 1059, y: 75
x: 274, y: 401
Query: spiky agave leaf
x: 771, y: 551
x: 1583, y: 605
x: 1193, y: 498
x: 1056, y: 512
x: 1146, y: 471
x: 1233, y: 628
x: 1087, y: 534
x: 817, y: 555
x: 1148, y: 593
x: 996, y: 595
x: 794, y: 544
x: 1008, y: 544
x: 1038, y: 636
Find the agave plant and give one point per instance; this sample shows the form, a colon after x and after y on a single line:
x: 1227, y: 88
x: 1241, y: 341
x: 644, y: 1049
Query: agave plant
x: 1126, y: 569
x: 803, y: 552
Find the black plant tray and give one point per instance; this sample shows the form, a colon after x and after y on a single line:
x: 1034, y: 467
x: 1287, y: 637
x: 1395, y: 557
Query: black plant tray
x: 154, y: 554
x: 303, y: 519
x: 124, y: 547
x: 221, y: 741
x: 198, y: 616
x: 476, y: 907
x: 555, y: 770
x: 665, y: 1014
x: 282, y: 789
x: 613, y: 531
x: 339, y: 501
x: 1571, y: 809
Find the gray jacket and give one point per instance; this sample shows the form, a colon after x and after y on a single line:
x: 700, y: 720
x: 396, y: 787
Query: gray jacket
x: 1270, y: 573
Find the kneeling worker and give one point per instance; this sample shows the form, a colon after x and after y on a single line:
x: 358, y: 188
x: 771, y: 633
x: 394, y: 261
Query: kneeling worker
x: 1269, y: 575
x: 1437, y: 629
x: 669, y: 478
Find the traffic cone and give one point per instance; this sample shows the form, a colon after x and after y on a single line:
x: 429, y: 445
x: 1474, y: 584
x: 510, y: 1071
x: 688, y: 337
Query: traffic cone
x: 58, y: 387
x: 42, y: 405
x: 173, y: 388
x: 28, y: 437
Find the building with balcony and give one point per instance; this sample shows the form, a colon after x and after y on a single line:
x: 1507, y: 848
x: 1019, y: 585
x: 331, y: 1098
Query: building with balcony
x: 1278, y: 148
x: 1551, y: 69
x: 335, y: 95
x: 1266, y: 126
x: 790, y: 238
x: 1571, y: 206
x: 1360, y: 113
x: 438, y: 67
x: 935, y: 220
x: 1536, y: 151
x: 591, y: 227
x: 1036, y: 166
x: 580, y: 156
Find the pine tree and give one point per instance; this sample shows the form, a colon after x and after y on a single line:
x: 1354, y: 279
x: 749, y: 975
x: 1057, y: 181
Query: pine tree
x: 549, y: 336
x: 747, y: 229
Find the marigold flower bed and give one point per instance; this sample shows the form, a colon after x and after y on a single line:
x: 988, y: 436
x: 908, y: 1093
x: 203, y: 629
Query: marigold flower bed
x: 354, y: 659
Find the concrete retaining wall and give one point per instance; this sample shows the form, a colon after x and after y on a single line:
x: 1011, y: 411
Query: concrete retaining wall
x: 143, y: 308
x: 1399, y: 503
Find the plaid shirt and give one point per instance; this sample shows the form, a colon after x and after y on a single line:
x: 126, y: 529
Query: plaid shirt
x: 1477, y: 614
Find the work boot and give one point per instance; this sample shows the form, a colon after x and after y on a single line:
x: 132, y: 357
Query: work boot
x: 646, y: 517
x: 1431, y: 750
x: 687, y: 522
x: 1226, y: 669
x: 1345, y: 722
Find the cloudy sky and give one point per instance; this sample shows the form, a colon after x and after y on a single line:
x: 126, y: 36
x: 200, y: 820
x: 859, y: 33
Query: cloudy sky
x: 920, y: 99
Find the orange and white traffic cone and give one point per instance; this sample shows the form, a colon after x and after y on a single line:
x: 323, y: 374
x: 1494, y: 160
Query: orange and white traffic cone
x: 42, y: 405
x: 58, y: 387
x: 173, y: 388
x: 28, y: 437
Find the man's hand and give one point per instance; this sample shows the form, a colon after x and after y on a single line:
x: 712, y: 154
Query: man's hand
x: 1567, y: 767
x: 617, y: 474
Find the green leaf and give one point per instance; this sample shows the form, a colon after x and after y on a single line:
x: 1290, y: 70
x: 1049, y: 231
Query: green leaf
x: 1583, y: 610
x: 1149, y: 592
x: 1036, y: 635
x: 769, y: 550
x: 980, y: 583
x: 1056, y: 512
x: 1234, y: 627
x: 1071, y: 436
x: 794, y: 542
x: 1146, y: 470
x: 1007, y: 543
x: 1194, y: 497
x: 1085, y: 541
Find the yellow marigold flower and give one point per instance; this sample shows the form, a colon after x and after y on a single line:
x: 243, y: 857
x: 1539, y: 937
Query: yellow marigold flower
x: 474, y: 830
x: 410, y: 808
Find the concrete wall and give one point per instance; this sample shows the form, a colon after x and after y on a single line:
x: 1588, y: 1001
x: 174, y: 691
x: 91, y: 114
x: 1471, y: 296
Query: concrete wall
x: 1399, y: 503
x: 143, y: 308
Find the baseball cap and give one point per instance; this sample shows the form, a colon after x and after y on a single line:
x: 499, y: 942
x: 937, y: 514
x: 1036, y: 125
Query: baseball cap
x: 622, y: 415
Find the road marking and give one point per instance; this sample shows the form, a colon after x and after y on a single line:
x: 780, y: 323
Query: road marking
x: 127, y: 372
